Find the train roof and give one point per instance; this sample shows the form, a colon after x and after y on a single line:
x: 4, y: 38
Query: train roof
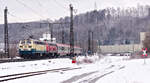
x: 66, y: 45
x: 58, y: 44
x: 39, y: 41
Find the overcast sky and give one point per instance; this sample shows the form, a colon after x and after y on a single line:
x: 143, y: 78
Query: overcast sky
x: 30, y: 10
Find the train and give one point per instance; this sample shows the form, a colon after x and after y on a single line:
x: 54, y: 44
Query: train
x: 36, y: 49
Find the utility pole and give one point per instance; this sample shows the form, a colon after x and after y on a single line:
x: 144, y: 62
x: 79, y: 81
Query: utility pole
x: 76, y: 41
x: 40, y: 25
x: 63, y: 33
x: 71, y: 31
x: 95, y: 6
x: 51, y: 30
x: 89, y: 42
x: 92, y: 43
x: 6, y: 34
x: 133, y: 46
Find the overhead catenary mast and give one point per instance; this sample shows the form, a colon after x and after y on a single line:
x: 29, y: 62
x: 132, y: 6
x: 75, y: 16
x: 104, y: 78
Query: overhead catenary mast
x: 71, y: 31
x: 89, y: 41
x: 63, y: 33
x: 92, y: 42
x: 51, y: 30
x: 6, y: 41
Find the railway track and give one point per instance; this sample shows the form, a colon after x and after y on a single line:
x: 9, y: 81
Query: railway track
x: 28, y: 74
x: 23, y: 60
x: 94, y: 76
x: 18, y: 60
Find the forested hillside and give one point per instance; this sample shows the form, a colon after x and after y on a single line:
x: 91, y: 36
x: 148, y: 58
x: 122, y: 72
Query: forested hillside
x: 110, y: 26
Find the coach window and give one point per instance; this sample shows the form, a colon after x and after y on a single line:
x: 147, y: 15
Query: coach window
x: 36, y: 42
x: 39, y: 42
x: 42, y: 43
x: 62, y: 48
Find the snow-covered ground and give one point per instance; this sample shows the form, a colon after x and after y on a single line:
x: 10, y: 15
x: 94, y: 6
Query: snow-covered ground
x: 109, y: 69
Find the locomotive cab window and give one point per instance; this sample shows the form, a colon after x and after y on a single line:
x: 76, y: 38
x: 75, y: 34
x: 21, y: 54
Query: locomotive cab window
x: 22, y: 42
x: 62, y: 48
x: 28, y: 41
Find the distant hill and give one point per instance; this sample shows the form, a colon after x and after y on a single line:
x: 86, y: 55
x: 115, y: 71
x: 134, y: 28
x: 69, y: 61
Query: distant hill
x: 110, y: 26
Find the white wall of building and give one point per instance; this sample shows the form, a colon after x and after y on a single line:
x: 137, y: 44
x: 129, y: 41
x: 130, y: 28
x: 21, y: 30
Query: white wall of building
x: 123, y: 48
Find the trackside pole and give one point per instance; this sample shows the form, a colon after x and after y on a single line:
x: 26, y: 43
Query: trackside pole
x: 74, y: 59
x: 144, y: 61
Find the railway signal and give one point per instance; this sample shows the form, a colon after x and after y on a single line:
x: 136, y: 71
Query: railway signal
x: 144, y: 52
x: 144, y: 55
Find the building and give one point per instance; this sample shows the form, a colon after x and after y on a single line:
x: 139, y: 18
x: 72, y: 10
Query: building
x: 47, y: 37
x: 123, y: 48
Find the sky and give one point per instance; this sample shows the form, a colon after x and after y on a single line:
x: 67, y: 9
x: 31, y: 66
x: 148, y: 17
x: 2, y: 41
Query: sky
x: 33, y: 10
